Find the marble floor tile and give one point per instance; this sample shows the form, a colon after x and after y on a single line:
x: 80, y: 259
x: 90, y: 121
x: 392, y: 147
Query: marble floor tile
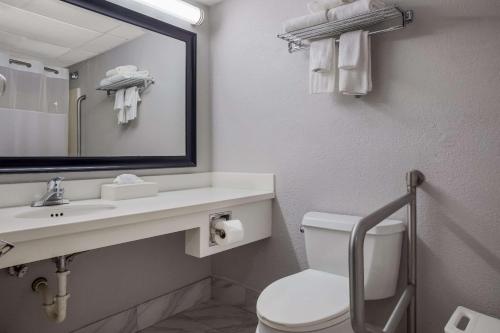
x: 251, y: 297
x: 178, y: 324
x: 222, y: 317
x: 124, y: 322
x: 226, y: 292
x: 171, y: 304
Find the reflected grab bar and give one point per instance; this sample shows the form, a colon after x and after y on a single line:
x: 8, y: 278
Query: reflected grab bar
x: 356, y: 262
x: 79, y: 124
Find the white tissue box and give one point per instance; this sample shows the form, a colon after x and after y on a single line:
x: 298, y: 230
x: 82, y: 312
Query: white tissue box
x: 115, y: 192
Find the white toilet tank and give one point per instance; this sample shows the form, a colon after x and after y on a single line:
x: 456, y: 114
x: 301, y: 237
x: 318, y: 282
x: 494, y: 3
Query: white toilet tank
x: 327, y: 247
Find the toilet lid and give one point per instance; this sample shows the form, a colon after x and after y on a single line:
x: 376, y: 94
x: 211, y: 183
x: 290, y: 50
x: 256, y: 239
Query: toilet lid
x: 310, y: 299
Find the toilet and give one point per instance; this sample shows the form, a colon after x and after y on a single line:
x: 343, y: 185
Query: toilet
x: 317, y: 299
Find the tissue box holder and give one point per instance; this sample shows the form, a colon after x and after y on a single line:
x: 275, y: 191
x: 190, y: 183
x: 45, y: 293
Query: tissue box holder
x: 115, y: 192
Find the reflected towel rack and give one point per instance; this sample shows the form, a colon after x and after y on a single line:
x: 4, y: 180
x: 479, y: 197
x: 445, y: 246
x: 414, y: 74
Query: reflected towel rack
x: 141, y: 83
x: 378, y: 21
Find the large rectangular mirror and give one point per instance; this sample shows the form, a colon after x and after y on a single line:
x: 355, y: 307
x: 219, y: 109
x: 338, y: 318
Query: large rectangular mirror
x: 90, y: 85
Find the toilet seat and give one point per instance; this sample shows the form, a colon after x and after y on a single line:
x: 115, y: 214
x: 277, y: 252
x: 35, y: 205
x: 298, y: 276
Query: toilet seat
x: 307, y: 301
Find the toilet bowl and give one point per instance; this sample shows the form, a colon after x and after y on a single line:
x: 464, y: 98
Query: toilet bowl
x: 307, y: 301
x: 317, y: 299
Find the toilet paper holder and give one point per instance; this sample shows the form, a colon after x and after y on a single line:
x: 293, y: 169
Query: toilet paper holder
x: 213, y: 218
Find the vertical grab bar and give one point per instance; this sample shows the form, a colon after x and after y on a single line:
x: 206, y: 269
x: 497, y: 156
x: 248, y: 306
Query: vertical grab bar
x: 79, y: 124
x: 356, y: 262
x: 413, y: 180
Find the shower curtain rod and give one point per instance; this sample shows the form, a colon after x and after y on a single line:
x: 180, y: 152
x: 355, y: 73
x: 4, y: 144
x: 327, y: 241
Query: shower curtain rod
x: 27, y: 64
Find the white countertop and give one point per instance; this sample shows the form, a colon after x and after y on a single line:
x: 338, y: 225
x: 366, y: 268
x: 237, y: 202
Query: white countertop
x: 166, y: 204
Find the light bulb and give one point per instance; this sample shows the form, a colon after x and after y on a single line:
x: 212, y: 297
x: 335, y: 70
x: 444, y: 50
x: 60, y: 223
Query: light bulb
x: 178, y: 8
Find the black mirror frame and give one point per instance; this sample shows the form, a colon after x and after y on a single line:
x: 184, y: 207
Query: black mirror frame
x: 70, y: 164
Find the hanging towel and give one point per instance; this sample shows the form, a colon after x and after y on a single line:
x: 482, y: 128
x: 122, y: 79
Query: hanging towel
x: 350, y: 49
x: 322, y: 66
x: 119, y: 106
x: 132, y: 99
x: 121, y: 70
x: 316, y: 6
x: 305, y: 21
x: 358, y: 80
x: 321, y: 56
x: 353, y: 9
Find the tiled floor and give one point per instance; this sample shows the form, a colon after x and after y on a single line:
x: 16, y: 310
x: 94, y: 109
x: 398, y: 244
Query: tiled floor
x: 210, y: 317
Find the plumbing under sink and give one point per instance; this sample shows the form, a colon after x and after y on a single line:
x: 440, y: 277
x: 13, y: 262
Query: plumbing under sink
x: 64, y: 211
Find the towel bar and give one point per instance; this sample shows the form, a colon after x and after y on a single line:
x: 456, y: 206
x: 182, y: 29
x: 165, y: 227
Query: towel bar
x: 391, y: 17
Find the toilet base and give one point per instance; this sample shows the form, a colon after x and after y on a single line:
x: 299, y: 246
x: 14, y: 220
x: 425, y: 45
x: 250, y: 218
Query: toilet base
x: 343, y: 327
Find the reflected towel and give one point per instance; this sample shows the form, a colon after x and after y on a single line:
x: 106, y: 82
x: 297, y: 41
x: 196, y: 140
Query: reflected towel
x: 120, y: 106
x: 316, y: 6
x: 305, y: 21
x: 358, y: 81
x: 322, y: 67
x: 121, y: 70
x: 125, y: 76
x: 132, y: 99
x: 356, y: 8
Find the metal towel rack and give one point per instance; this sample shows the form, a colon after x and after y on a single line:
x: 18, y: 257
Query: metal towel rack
x: 141, y: 83
x: 356, y: 262
x: 391, y: 18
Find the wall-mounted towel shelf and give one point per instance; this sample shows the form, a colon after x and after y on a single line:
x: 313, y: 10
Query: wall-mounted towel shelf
x: 141, y: 83
x: 386, y: 19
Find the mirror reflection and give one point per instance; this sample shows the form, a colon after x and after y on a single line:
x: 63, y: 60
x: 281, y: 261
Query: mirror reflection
x: 77, y: 83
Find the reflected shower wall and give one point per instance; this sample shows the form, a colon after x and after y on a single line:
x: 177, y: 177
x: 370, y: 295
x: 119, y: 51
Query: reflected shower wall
x: 34, y: 108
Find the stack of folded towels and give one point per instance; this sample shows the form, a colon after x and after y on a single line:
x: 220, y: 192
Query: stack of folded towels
x: 126, y: 100
x: 354, y: 58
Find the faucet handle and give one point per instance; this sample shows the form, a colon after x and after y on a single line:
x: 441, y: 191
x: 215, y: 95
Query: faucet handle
x: 55, y: 183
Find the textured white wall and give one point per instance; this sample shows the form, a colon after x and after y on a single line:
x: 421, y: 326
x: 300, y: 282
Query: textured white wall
x: 435, y: 107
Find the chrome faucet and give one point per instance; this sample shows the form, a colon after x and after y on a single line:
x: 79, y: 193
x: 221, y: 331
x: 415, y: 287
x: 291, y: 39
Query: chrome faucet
x: 54, y: 195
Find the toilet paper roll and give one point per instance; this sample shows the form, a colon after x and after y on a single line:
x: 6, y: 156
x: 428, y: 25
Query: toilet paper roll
x: 229, y: 232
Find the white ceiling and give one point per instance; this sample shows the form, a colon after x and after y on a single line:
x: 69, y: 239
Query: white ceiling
x: 58, y: 33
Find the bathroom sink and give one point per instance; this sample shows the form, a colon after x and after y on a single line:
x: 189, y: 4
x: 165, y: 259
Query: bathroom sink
x: 64, y: 211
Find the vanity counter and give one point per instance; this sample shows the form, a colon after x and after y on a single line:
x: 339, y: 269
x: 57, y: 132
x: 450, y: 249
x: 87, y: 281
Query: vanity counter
x: 42, y: 233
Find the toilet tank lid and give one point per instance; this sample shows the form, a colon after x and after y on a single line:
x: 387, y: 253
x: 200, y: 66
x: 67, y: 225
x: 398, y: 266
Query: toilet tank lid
x: 347, y: 222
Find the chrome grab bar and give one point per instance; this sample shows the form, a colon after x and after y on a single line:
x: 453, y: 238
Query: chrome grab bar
x: 79, y: 124
x: 356, y: 262
x: 5, y: 247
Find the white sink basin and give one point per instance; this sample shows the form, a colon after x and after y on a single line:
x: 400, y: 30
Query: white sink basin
x: 63, y: 211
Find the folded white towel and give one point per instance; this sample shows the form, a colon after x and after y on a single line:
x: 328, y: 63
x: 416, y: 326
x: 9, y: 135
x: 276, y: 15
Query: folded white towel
x: 322, y: 66
x: 358, y: 80
x: 350, y: 49
x: 305, y: 21
x: 356, y: 8
x: 316, y: 6
x: 124, y: 76
x: 121, y: 70
x: 132, y: 99
x: 119, y: 106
